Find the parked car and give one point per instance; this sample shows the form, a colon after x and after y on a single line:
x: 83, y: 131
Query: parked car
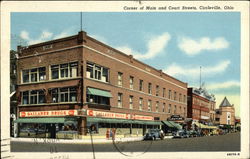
x: 181, y: 134
x: 153, y: 134
x: 193, y: 133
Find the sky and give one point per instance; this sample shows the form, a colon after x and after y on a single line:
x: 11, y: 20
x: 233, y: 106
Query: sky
x: 184, y: 45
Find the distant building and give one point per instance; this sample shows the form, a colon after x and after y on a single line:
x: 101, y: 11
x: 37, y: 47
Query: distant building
x: 201, y: 105
x: 225, y: 115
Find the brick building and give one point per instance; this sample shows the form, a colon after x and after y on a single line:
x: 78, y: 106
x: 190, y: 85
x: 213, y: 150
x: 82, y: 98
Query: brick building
x: 77, y: 82
x: 201, y: 105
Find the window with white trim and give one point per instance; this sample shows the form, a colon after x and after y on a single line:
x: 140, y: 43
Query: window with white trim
x: 66, y: 94
x: 149, y: 105
x: 131, y: 82
x: 141, y: 85
x: 62, y: 71
x: 163, y: 92
x: 140, y: 103
x: 163, y: 107
x: 119, y: 100
x: 33, y: 97
x: 130, y: 102
x: 34, y: 75
x: 149, y: 88
x: 97, y: 72
x: 169, y: 108
x: 157, y: 106
x: 119, y: 79
x: 157, y: 90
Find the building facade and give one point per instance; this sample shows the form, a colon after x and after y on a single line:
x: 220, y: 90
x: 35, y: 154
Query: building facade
x: 77, y: 83
x: 201, y: 105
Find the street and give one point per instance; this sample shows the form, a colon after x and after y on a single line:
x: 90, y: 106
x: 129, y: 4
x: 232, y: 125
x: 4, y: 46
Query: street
x: 228, y: 142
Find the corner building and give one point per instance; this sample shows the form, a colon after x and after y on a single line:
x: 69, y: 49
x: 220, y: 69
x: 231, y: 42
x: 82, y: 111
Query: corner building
x: 77, y: 83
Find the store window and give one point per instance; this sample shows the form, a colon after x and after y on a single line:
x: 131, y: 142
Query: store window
x: 66, y: 70
x: 130, y: 102
x: 97, y: 72
x: 67, y: 94
x: 141, y: 85
x: 33, y: 97
x: 119, y: 79
x: 149, y: 105
x: 119, y: 100
x: 34, y: 75
x: 140, y: 103
x: 131, y: 82
x: 157, y: 90
x: 149, y: 88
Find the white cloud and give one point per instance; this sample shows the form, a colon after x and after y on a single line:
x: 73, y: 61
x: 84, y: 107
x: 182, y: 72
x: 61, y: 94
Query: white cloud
x: 46, y: 35
x: 194, y: 72
x: 61, y: 35
x: 223, y: 85
x: 155, y: 46
x: 193, y: 47
x: 24, y: 35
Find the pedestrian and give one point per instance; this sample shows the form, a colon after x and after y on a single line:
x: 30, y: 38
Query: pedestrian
x: 162, y: 134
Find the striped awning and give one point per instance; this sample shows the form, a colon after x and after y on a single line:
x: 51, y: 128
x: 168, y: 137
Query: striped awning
x: 98, y: 92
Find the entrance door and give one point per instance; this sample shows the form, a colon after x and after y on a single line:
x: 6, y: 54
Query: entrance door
x: 53, y: 131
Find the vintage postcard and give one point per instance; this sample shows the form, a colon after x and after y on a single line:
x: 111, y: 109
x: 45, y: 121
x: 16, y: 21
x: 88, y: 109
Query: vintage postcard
x: 126, y: 79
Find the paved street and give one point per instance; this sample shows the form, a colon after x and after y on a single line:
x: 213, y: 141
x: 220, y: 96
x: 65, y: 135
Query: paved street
x: 228, y: 142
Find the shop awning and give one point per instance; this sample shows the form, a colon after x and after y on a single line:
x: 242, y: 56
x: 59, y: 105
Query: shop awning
x: 178, y: 126
x: 168, y: 124
x: 200, y: 125
x: 152, y: 122
x: 98, y: 92
x: 45, y: 120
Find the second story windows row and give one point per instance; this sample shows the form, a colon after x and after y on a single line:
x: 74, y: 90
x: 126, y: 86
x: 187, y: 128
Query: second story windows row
x: 33, y: 97
x: 97, y: 72
x: 34, y: 75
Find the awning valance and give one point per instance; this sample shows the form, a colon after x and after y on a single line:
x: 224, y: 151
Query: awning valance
x: 46, y: 120
x: 98, y: 92
x: 168, y: 124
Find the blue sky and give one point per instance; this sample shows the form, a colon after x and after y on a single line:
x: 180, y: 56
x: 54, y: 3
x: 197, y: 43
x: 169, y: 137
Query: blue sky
x: 176, y: 42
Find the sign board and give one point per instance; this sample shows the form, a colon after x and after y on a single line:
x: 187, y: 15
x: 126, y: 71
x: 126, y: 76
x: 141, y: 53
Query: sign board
x: 102, y: 114
x: 48, y: 113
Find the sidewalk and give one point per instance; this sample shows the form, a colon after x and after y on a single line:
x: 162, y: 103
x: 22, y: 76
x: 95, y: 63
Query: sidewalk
x: 100, y: 139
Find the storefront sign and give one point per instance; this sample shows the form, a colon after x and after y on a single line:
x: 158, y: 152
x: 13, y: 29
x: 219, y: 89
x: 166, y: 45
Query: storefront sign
x: 117, y: 115
x: 49, y: 113
x: 176, y: 117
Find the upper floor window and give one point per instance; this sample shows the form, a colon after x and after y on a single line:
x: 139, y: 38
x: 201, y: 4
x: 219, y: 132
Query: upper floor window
x: 180, y: 97
x: 131, y: 82
x: 119, y: 100
x: 141, y: 85
x: 67, y: 94
x: 157, y: 106
x: 175, y: 96
x: 140, y: 103
x: 130, y: 102
x: 157, y: 90
x: 163, y: 92
x: 169, y: 94
x: 119, y: 79
x: 149, y: 105
x: 97, y: 72
x: 163, y: 107
x: 175, y: 109
x: 169, y: 108
x: 150, y: 88
x: 66, y: 70
x: 33, y: 97
x: 184, y: 98
x: 34, y: 75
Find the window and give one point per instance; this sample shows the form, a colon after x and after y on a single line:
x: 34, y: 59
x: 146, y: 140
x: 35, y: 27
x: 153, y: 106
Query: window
x: 169, y: 94
x: 131, y: 82
x: 119, y: 100
x: 130, y: 102
x: 175, y: 109
x: 157, y: 106
x: 34, y: 75
x: 180, y: 110
x: 67, y: 94
x: 163, y: 92
x: 54, y: 71
x: 180, y: 97
x: 98, y: 99
x: 97, y: 72
x: 175, y: 96
x: 184, y: 98
x: 33, y: 97
x: 140, y: 103
x: 119, y: 79
x: 149, y: 105
x: 141, y: 85
x: 149, y: 88
x: 157, y: 90
x: 163, y: 107
x: 169, y: 108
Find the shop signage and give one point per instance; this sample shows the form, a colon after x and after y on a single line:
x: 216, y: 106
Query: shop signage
x: 117, y: 115
x: 49, y: 113
x: 176, y: 117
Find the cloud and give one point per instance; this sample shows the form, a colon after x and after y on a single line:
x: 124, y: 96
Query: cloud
x: 194, y: 72
x: 46, y: 35
x: 223, y: 85
x: 61, y: 35
x: 24, y: 35
x: 192, y: 47
x: 155, y: 46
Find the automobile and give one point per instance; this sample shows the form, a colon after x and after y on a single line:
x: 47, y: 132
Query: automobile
x: 181, y: 134
x: 193, y: 133
x: 153, y: 134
